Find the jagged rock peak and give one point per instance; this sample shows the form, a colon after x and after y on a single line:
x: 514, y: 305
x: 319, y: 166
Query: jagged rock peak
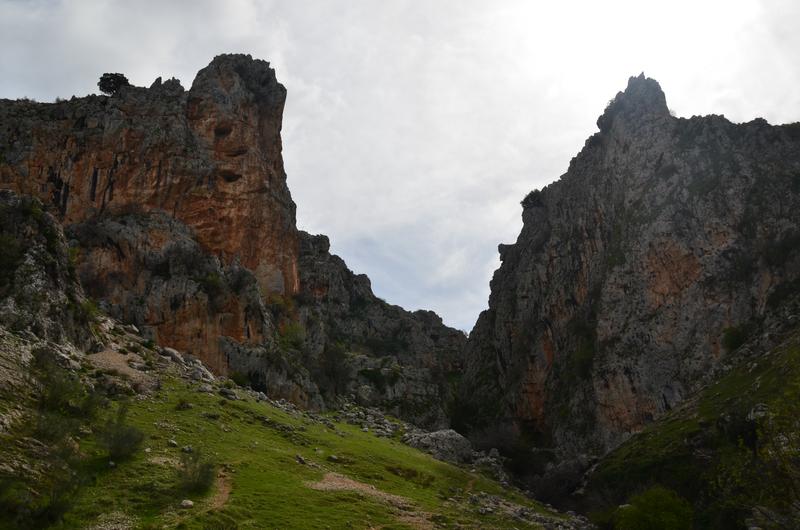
x: 228, y: 72
x: 642, y: 98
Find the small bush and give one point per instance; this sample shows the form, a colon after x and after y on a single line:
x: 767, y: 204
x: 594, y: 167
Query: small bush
x: 334, y: 372
x: 735, y: 336
x: 532, y: 200
x: 291, y: 336
x: 20, y: 507
x: 240, y: 378
x: 62, y: 392
x: 120, y: 439
x: 195, y: 474
x: 86, y: 311
x: 183, y: 405
x: 212, y: 283
x: 656, y: 509
x: 54, y: 426
x: 11, y: 252
x: 280, y: 306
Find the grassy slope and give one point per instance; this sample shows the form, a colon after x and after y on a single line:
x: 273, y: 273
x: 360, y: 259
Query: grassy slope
x: 269, y: 487
x: 710, y: 453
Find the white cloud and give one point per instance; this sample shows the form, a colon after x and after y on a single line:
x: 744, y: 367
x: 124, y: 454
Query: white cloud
x: 412, y: 130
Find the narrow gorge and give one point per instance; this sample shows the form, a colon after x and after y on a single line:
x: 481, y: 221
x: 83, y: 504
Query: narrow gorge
x: 641, y: 336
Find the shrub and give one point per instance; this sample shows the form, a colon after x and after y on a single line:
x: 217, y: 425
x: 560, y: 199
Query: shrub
x: 291, y: 336
x: 240, y: 378
x: 532, y: 200
x: 120, y: 439
x: 280, y: 306
x: 334, y: 371
x: 86, y: 311
x: 11, y: 253
x: 735, y: 336
x: 656, y: 509
x: 54, y: 426
x: 212, y: 283
x: 195, y: 474
x: 62, y: 392
x: 24, y: 509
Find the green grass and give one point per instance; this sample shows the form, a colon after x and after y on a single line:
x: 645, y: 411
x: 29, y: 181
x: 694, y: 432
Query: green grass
x: 257, y: 446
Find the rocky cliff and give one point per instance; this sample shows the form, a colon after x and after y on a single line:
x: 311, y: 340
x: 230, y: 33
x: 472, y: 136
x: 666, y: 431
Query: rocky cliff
x: 659, y: 251
x: 182, y: 223
x: 405, y: 363
x: 210, y: 158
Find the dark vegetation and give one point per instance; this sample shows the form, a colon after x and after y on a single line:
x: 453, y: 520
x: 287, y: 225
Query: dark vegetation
x: 62, y: 406
x: 111, y: 83
x: 532, y: 200
x: 735, y: 336
x: 118, y: 438
x: 334, y: 373
x: 195, y: 473
x: 657, y: 508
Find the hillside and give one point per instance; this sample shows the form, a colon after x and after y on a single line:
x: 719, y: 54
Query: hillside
x: 102, y: 428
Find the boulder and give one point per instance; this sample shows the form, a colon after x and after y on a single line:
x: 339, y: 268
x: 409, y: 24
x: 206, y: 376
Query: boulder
x: 446, y: 445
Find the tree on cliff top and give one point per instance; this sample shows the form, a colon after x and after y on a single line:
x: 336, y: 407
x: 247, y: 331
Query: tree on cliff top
x: 110, y: 83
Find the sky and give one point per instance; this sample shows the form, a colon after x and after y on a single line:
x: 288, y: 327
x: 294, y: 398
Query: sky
x: 413, y: 129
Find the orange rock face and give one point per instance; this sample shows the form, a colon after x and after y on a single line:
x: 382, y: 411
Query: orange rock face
x: 210, y: 157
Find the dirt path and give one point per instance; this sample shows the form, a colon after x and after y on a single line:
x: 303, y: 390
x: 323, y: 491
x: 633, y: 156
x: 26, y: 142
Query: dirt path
x: 405, y: 510
x: 223, y: 491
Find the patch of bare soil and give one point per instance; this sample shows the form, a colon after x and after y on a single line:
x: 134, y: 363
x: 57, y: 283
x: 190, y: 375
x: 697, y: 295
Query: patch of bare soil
x: 404, y: 509
x: 223, y: 491
x: 116, y: 362
x: 169, y: 461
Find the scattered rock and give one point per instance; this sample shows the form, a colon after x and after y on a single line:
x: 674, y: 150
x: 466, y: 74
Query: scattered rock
x: 186, y: 503
x: 228, y: 393
x: 760, y: 410
x: 173, y: 354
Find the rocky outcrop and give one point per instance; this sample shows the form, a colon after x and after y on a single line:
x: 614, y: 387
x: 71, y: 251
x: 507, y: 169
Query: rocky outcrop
x: 445, y: 444
x: 662, y: 248
x: 39, y: 291
x: 361, y: 346
x: 182, y: 224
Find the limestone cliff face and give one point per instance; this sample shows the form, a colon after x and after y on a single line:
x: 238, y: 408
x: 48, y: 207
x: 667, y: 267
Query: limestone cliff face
x: 210, y: 157
x: 383, y: 355
x: 181, y: 222
x: 666, y: 241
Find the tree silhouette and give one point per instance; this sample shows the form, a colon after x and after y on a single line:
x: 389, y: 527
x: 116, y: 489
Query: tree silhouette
x: 110, y: 83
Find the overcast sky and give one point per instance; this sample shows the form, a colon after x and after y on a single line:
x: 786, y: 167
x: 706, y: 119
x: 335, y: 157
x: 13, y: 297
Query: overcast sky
x: 413, y: 129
